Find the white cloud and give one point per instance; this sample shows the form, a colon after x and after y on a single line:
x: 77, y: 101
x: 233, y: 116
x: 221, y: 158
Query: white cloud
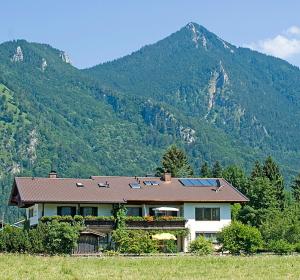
x: 285, y: 45
x: 293, y: 30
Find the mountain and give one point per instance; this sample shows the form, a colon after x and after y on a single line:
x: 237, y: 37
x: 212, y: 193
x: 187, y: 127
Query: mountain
x: 250, y: 97
x: 215, y: 100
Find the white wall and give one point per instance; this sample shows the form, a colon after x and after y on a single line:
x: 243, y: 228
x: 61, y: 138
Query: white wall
x: 205, y: 226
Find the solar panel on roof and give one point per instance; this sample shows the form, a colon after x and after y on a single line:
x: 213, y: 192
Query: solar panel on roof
x: 198, y: 182
x: 135, y: 185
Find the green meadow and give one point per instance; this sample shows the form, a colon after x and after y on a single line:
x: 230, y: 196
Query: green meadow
x: 177, y: 267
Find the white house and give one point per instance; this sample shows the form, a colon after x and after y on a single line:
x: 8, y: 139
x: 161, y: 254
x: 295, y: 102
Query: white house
x: 203, y: 205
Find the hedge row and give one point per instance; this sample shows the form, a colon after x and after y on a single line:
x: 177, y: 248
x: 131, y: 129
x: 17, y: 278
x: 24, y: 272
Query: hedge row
x: 48, y: 238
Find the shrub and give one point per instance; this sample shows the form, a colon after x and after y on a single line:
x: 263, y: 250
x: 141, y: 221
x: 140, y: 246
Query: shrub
x: 133, y: 241
x: 50, y: 238
x: 201, y: 246
x: 297, y: 247
x: 13, y: 239
x: 60, y: 237
x: 281, y: 247
x: 169, y: 246
x: 239, y: 238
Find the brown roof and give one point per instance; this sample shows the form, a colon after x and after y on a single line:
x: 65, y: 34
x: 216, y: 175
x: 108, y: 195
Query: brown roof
x: 28, y: 190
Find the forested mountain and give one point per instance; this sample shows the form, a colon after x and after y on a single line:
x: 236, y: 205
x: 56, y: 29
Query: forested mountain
x: 215, y: 100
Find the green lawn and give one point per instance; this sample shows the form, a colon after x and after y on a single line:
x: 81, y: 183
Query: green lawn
x: 186, y: 267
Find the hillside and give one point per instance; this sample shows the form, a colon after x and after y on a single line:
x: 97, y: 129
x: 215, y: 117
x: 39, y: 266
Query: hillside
x: 217, y: 101
x: 252, y: 98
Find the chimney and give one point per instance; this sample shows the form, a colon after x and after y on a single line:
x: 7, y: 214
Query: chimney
x: 167, y: 177
x: 52, y: 174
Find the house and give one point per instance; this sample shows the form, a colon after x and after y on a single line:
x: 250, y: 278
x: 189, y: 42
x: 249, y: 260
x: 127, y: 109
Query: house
x: 203, y: 205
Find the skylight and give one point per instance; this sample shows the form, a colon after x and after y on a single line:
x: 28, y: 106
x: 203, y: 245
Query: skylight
x: 135, y: 185
x: 103, y: 185
x: 80, y: 185
x: 151, y: 183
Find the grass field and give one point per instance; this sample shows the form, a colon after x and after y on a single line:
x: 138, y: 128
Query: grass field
x: 179, y: 267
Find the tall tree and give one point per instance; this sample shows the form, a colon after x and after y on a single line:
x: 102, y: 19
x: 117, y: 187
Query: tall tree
x: 217, y: 170
x: 175, y: 161
x: 296, y: 188
x: 205, y: 170
x: 257, y: 170
x: 236, y: 177
x: 272, y: 172
x: 262, y: 194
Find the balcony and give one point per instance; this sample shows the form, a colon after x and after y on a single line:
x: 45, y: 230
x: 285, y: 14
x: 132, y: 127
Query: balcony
x: 171, y: 224
x: 132, y: 222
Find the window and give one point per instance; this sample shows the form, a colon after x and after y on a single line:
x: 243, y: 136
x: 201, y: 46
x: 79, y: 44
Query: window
x: 212, y: 236
x: 30, y: 212
x: 134, y: 211
x: 207, y: 214
x: 66, y: 210
x: 88, y: 211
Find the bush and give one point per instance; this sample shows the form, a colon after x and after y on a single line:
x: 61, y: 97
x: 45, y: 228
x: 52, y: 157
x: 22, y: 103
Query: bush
x: 297, y: 247
x: 281, y: 247
x: 134, y: 241
x: 201, y: 246
x: 14, y: 240
x: 238, y: 238
x: 60, y: 237
x: 49, y: 238
x: 169, y: 246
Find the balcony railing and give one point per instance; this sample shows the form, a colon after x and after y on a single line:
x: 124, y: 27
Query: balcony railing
x: 147, y: 222
x: 161, y: 224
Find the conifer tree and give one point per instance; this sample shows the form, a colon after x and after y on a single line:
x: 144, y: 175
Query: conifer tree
x: 236, y: 177
x: 272, y: 172
x: 217, y: 170
x: 296, y: 188
x: 176, y: 162
x: 205, y: 170
x: 257, y: 170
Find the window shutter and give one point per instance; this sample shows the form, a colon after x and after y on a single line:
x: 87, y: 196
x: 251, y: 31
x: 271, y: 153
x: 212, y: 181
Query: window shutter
x: 59, y: 210
x: 140, y: 211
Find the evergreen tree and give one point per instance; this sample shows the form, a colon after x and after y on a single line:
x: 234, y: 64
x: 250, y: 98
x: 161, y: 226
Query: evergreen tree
x: 236, y: 177
x: 257, y: 170
x: 205, y: 170
x: 262, y: 194
x: 217, y: 170
x: 296, y: 188
x: 272, y: 172
x: 175, y: 161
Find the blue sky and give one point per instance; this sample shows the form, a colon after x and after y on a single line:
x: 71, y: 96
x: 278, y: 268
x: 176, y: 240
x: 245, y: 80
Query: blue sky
x: 97, y: 31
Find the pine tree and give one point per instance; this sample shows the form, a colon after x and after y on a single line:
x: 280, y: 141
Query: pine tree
x: 257, y: 170
x: 296, y: 188
x: 217, y: 170
x: 272, y: 172
x: 175, y: 161
x: 236, y: 177
x: 205, y: 170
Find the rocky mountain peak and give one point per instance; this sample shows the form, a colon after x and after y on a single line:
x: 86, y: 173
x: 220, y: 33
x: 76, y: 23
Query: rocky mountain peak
x: 18, y: 56
x: 65, y: 58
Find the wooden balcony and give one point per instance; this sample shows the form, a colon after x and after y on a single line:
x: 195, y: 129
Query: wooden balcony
x: 172, y: 224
